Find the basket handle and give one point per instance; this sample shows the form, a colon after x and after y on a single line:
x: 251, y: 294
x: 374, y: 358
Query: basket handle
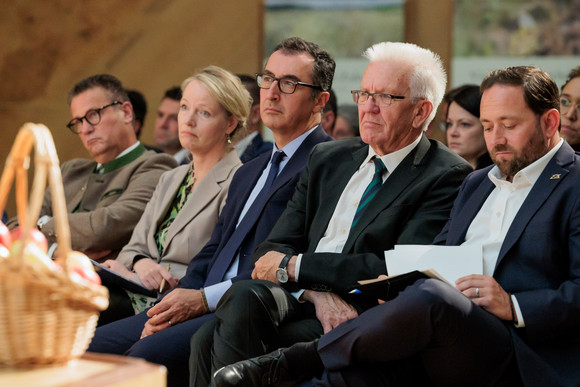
x: 46, y: 166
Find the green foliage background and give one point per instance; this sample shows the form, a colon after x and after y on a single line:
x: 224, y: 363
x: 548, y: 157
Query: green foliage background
x: 343, y: 33
x: 515, y: 28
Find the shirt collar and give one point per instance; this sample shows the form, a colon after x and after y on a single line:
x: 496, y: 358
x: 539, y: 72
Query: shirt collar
x: 291, y: 148
x: 134, y: 146
x: 128, y: 156
x: 393, y: 159
x: 128, y: 149
x: 527, y: 176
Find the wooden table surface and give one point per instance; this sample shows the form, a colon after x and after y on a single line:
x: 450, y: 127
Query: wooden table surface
x: 91, y: 370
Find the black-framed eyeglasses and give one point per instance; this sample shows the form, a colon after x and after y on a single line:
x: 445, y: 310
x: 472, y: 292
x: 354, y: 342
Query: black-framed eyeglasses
x: 381, y: 99
x: 93, y: 117
x: 285, y: 85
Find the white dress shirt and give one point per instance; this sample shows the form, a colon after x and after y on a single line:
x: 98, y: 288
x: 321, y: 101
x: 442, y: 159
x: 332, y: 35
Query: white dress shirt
x: 491, y: 224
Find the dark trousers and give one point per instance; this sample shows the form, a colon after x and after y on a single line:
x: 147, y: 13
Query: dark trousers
x: 253, y: 318
x: 169, y: 347
x: 429, y: 332
x: 119, y: 306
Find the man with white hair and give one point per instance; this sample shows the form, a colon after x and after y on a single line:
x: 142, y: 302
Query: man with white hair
x: 342, y: 217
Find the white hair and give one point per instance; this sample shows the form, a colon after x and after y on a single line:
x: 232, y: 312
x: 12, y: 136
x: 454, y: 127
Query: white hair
x: 427, y: 77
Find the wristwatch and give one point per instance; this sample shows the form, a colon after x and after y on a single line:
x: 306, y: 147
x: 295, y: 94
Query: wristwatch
x: 281, y: 273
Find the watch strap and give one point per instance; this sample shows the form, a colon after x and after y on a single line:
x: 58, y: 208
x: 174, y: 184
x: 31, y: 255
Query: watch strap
x: 285, y: 261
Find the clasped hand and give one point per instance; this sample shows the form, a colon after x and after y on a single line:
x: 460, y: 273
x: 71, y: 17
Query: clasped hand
x: 177, y: 306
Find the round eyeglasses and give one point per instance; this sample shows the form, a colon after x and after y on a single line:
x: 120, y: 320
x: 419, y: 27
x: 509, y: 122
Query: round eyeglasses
x: 93, y: 117
x: 285, y: 85
x: 381, y: 99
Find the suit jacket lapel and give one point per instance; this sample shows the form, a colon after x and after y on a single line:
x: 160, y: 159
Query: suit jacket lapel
x: 168, y: 194
x: 251, y: 177
x: 204, y: 193
x: 549, y: 179
x: 464, y: 217
x: 344, y: 171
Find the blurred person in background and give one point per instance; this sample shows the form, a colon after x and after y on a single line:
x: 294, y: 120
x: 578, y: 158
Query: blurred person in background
x: 329, y: 114
x: 346, y: 124
x: 139, y: 103
x: 464, y: 132
x: 569, y: 105
x: 166, y: 129
x: 251, y: 144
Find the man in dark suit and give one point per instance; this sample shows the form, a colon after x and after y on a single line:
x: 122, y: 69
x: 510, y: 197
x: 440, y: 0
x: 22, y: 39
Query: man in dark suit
x: 333, y: 229
x: 251, y: 144
x: 291, y: 106
x: 517, y: 324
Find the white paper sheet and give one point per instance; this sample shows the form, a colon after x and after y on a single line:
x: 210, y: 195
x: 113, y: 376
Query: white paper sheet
x: 451, y: 262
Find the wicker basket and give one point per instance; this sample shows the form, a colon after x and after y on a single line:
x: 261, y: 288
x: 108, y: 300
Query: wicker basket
x: 45, y: 317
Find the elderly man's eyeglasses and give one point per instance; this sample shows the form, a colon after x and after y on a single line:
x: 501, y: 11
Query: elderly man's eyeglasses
x: 566, y: 104
x: 285, y: 85
x: 381, y: 99
x: 93, y: 117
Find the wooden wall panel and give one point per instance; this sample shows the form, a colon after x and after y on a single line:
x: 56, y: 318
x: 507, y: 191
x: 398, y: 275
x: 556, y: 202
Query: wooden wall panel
x: 48, y: 45
x: 429, y: 24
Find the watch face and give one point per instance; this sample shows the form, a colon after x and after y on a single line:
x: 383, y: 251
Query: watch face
x: 282, y: 275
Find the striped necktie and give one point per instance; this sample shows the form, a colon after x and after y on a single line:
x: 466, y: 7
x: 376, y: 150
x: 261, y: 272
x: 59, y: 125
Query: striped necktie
x: 371, y: 190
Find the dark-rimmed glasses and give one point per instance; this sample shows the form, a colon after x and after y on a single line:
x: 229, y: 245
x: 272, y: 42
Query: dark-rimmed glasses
x: 381, y: 99
x: 93, y: 117
x: 285, y: 85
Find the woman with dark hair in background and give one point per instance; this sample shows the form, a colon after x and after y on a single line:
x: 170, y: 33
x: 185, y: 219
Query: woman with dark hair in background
x: 569, y: 105
x: 464, y: 132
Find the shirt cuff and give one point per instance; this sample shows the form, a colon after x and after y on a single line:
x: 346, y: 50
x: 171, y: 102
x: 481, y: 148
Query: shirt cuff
x: 214, y: 293
x: 297, y: 295
x: 42, y: 221
x: 51, y: 250
x: 297, y: 268
x: 521, y: 323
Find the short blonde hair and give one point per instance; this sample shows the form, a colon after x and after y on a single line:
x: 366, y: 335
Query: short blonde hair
x: 228, y: 90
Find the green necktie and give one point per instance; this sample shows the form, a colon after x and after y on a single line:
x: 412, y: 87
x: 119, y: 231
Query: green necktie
x: 371, y: 189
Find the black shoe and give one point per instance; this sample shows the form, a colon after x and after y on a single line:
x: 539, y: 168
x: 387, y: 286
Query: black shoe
x: 267, y: 370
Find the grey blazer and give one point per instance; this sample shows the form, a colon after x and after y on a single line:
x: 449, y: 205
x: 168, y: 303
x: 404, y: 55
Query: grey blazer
x: 194, y: 224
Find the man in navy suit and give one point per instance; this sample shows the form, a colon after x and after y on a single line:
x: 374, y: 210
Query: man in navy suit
x: 517, y: 324
x: 294, y: 89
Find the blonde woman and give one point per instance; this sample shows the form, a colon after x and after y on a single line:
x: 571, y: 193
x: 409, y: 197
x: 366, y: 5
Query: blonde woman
x: 183, y: 211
